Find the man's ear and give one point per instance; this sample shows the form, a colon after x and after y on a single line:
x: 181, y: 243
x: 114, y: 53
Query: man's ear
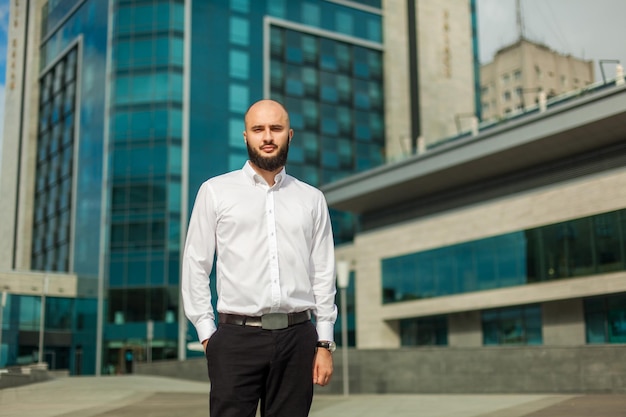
x: 245, y: 140
x: 290, y: 135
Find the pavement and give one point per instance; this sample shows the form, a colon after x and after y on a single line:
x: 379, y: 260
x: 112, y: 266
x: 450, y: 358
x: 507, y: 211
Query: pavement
x: 147, y: 396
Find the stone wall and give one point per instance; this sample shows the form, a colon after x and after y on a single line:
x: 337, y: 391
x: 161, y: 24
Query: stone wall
x: 584, y: 369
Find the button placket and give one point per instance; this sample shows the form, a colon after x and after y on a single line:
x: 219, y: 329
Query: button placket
x: 273, y: 251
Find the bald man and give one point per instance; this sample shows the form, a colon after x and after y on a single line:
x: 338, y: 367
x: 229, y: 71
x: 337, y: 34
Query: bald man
x: 272, y: 238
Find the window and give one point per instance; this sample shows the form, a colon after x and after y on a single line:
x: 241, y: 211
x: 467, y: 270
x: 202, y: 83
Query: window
x: 239, y: 31
x: 575, y: 248
x: 605, y: 319
x: 517, y: 75
x: 512, y: 326
x: 54, y: 167
x: 424, y: 331
x: 506, y: 78
x: 239, y: 66
x: 506, y: 96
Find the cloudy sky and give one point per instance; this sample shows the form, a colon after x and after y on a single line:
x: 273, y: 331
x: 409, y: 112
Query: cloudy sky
x: 589, y: 29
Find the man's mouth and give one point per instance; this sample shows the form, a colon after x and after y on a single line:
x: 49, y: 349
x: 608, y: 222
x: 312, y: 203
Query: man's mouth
x: 268, y: 148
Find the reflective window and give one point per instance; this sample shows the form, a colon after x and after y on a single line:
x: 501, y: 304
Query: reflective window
x: 59, y: 313
x: 576, y: 248
x: 142, y: 304
x: 55, y: 166
x: 311, y: 14
x: 239, y: 31
x: 424, y: 331
x: 605, y: 319
x: 512, y: 326
x: 238, y: 98
x: 239, y: 66
x: 344, y: 23
x: 277, y: 8
x: 235, y: 136
x: 242, y: 6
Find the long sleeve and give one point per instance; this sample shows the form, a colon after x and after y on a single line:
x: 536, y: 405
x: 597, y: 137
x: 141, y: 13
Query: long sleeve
x: 197, y: 264
x: 323, y: 273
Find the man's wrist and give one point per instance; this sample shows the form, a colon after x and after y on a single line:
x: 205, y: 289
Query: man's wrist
x: 327, y: 344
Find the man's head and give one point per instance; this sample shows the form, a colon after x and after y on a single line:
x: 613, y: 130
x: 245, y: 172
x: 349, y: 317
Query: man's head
x: 267, y: 135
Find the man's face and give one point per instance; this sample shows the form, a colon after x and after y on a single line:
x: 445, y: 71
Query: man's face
x: 267, y: 135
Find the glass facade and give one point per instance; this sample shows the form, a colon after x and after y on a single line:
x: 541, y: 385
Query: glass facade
x: 605, y: 319
x: 575, y: 248
x: 56, y: 145
x: 70, y: 136
x: 145, y: 173
x: 69, y: 332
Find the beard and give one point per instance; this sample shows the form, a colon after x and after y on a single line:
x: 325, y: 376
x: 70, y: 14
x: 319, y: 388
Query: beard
x: 268, y: 163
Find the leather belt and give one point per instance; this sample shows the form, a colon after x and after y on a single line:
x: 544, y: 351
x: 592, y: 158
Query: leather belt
x: 271, y: 321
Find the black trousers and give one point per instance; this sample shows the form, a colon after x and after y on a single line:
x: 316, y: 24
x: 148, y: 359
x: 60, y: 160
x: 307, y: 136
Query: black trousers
x: 248, y: 364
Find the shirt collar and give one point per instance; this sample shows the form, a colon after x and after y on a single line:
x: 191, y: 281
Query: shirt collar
x: 255, y: 178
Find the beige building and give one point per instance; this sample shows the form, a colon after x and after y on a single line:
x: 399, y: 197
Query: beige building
x: 519, y: 72
x: 429, y: 73
x: 498, y: 248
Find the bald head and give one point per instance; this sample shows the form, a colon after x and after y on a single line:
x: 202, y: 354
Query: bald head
x: 267, y: 108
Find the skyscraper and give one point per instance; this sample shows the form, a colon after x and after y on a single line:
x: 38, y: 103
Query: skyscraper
x: 119, y: 110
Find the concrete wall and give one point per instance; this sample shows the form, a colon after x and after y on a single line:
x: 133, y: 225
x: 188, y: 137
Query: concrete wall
x: 584, y: 369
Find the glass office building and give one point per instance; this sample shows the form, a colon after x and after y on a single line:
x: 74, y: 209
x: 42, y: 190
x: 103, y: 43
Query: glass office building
x: 138, y: 103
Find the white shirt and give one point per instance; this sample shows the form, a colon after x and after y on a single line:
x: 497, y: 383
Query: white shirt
x: 274, y: 249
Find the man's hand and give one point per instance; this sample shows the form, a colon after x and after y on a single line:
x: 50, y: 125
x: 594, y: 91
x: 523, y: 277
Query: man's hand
x: 204, y: 343
x: 322, y: 367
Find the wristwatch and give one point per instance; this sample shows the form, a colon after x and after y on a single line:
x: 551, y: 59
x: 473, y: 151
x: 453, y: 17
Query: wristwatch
x: 331, y: 346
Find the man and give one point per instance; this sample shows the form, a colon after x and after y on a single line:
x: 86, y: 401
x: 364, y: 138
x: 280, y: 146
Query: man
x: 274, y: 270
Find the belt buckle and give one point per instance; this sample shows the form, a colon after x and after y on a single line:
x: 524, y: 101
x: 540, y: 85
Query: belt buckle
x: 274, y: 321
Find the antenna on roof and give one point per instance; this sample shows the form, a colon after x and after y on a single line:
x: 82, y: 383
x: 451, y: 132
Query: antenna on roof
x: 519, y: 19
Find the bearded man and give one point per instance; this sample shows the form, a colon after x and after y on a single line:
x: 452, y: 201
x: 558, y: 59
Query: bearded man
x: 270, y: 237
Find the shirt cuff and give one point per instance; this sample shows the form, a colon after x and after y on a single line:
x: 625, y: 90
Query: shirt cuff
x: 205, y: 330
x: 325, y: 330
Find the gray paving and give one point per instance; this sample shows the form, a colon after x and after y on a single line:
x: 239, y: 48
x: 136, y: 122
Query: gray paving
x: 144, y: 396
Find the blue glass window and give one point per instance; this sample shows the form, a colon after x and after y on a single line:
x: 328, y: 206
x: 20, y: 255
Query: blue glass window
x: 178, y: 16
x: 239, y: 31
x: 374, y: 29
x: 311, y: 14
x: 344, y: 23
x: 512, y: 326
x: 605, y: 319
x: 235, y: 133
x: 238, y: 98
x: 239, y: 66
x: 277, y: 8
x: 242, y: 6
x: 177, y: 50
